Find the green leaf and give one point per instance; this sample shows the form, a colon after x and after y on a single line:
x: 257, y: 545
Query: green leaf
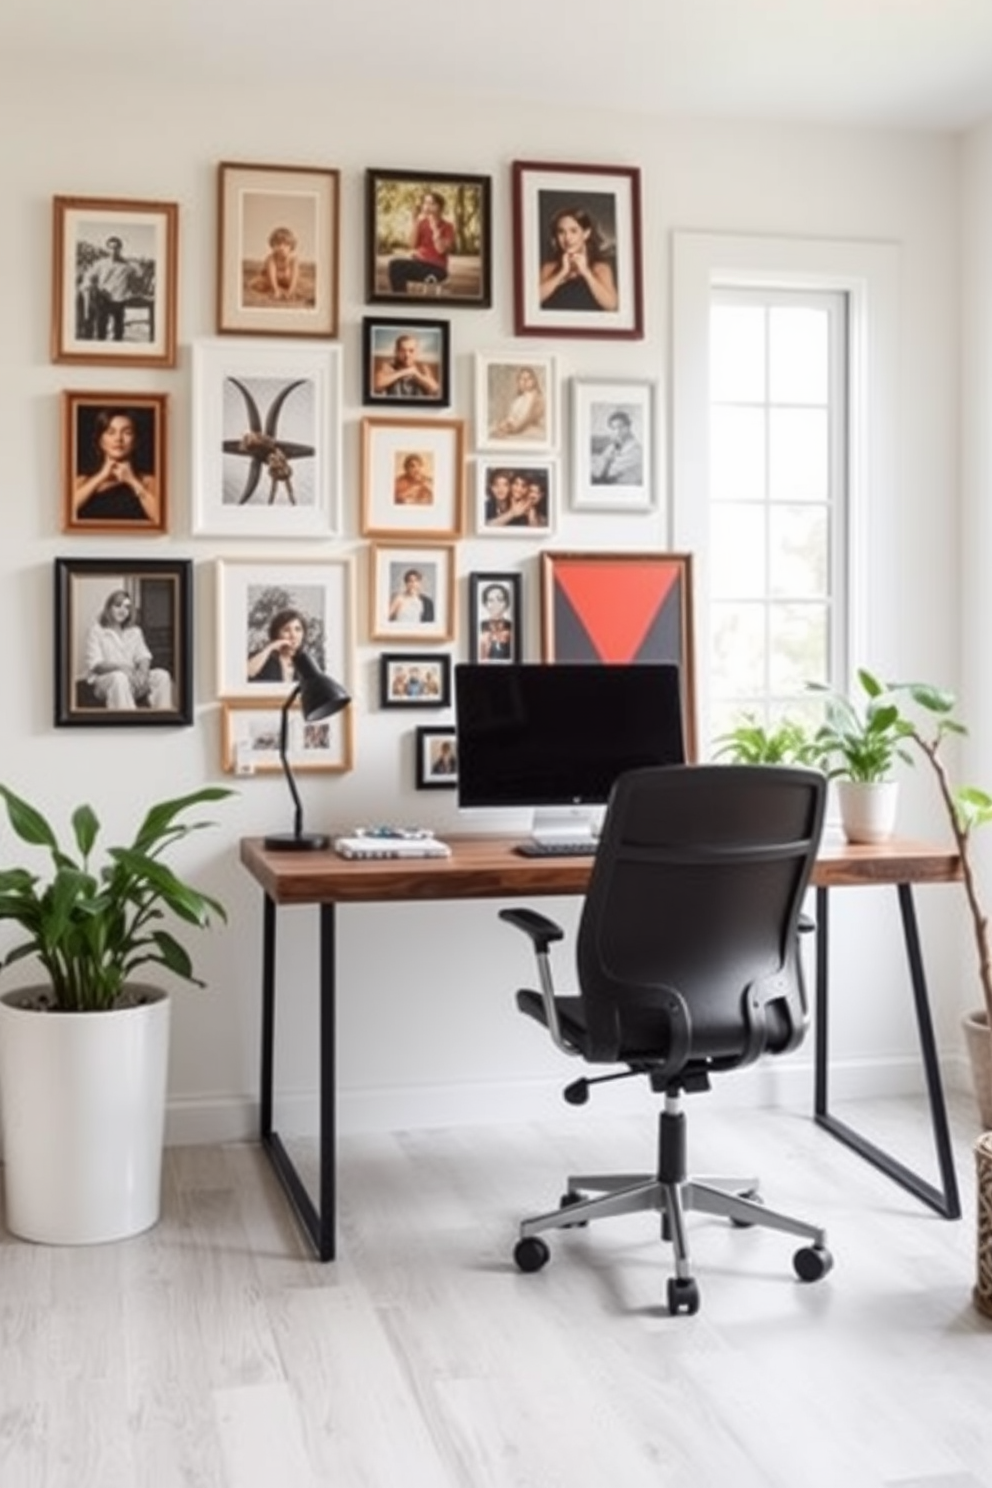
x: 28, y: 823
x: 86, y: 827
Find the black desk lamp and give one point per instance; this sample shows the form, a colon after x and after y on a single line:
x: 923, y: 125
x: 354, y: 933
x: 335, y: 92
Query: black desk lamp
x: 320, y: 697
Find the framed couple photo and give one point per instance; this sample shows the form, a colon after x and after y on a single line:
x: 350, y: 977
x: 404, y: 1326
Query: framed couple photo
x: 515, y: 500
x: 577, y: 250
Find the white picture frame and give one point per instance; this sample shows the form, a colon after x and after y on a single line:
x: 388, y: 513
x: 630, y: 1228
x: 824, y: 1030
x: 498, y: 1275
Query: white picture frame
x: 506, y: 503
x: 613, y: 446
x: 516, y: 402
x: 391, y: 563
x: 252, y: 594
x: 266, y: 439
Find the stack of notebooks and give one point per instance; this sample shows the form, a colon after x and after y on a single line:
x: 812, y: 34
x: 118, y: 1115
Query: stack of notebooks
x: 391, y: 842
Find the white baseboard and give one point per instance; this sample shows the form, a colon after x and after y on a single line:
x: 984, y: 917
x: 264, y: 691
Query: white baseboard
x: 789, y: 1083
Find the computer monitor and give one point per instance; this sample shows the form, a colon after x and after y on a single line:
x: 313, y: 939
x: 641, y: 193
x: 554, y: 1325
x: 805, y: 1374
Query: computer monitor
x: 553, y: 738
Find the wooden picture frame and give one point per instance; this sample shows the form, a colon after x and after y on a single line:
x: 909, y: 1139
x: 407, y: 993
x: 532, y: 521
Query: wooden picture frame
x: 621, y: 607
x: 414, y: 679
x: 495, y: 617
x: 267, y: 610
x: 123, y: 642
x: 114, y: 462
x: 613, y: 450
x: 250, y: 733
x: 401, y: 239
x: 278, y: 254
x: 518, y: 499
x: 266, y: 439
x: 406, y: 363
x: 516, y: 403
x: 114, y: 266
x: 405, y: 579
x: 413, y: 477
x: 577, y: 250
x: 436, y: 758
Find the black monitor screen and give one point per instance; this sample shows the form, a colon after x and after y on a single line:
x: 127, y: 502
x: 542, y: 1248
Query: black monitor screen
x: 559, y: 735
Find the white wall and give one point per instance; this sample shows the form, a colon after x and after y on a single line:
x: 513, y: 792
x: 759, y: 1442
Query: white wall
x: 427, y: 1026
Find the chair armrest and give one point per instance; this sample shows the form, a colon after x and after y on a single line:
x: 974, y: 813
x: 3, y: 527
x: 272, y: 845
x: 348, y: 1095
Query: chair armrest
x: 539, y: 929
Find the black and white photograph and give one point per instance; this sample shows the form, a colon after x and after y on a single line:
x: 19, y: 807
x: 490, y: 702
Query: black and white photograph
x: 613, y: 459
x: 123, y: 642
x: 495, y: 617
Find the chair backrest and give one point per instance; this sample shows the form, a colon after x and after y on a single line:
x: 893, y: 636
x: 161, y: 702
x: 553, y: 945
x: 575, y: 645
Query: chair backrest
x: 687, y: 947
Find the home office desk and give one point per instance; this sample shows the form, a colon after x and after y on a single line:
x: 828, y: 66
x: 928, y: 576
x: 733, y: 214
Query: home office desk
x: 487, y: 868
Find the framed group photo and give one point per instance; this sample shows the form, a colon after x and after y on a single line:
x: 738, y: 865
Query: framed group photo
x: 266, y: 439
x: 114, y: 281
x: 414, y: 679
x: 428, y: 236
x: 406, y: 363
x: 516, y: 402
x: 114, y: 462
x: 436, y: 758
x: 250, y: 735
x: 613, y: 460
x: 621, y: 607
x: 495, y: 617
x: 515, y: 500
x: 123, y: 642
x: 267, y: 613
x: 278, y: 254
x: 577, y: 250
x: 412, y: 591
x: 413, y: 477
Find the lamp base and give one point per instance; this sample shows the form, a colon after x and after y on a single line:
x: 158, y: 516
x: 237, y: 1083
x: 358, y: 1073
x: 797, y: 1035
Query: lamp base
x: 305, y: 842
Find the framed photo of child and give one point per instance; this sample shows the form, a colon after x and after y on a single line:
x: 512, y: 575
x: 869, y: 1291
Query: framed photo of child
x: 278, y: 264
x: 114, y: 453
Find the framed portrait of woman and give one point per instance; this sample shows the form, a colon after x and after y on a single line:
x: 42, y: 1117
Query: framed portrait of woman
x: 577, y: 250
x: 516, y: 403
x: 123, y: 642
x: 114, y: 455
x: 495, y: 617
x: 428, y: 238
x: 412, y: 591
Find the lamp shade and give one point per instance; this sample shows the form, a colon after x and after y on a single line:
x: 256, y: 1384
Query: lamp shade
x: 320, y: 695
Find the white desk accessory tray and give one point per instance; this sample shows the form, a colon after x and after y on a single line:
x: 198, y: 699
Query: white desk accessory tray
x: 391, y: 843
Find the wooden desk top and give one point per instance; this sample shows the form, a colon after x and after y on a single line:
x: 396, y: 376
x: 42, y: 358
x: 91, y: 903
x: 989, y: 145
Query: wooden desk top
x: 488, y: 868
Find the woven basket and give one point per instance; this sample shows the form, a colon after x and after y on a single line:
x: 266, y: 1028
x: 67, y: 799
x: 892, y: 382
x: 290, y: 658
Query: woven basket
x: 983, y: 1285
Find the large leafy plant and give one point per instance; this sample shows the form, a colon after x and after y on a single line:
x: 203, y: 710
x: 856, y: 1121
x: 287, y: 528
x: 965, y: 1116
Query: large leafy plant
x: 861, y: 741
x: 92, y: 929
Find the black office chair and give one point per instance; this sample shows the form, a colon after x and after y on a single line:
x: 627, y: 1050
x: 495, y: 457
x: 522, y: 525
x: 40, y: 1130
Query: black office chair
x: 688, y: 964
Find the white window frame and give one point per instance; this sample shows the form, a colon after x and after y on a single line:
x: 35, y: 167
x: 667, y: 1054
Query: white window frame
x: 868, y: 274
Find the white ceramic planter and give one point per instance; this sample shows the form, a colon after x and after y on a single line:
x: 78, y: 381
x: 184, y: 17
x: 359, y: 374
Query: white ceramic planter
x: 868, y: 811
x: 82, y: 1100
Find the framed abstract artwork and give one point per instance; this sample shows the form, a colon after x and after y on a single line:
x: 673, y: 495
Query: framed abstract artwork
x: 266, y: 439
x: 621, y: 607
x: 577, y: 250
x: 277, y: 258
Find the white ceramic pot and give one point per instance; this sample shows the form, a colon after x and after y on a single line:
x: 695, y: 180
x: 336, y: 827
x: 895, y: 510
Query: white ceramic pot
x: 868, y: 809
x: 82, y: 1101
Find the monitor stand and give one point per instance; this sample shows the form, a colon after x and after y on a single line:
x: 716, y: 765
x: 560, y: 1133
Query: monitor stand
x: 564, y: 824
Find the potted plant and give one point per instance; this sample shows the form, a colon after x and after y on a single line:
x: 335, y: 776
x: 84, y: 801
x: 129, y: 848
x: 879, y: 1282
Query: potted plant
x: 83, y: 1055
x: 858, y: 745
x: 751, y: 742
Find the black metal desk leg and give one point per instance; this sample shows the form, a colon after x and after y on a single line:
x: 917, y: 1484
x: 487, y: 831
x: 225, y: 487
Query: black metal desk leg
x: 944, y: 1200
x: 318, y: 1224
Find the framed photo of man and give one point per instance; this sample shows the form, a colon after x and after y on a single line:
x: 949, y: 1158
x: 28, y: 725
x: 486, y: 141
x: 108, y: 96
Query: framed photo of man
x: 123, y: 642
x: 114, y: 458
x: 428, y: 237
x: 406, y: 363
x: 613, y: 453
x: 278, y: 255
x: 577, y: 250
x: 114, y: 289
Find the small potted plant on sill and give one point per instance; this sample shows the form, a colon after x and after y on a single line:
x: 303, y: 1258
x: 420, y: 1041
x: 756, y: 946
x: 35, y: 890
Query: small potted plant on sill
x: 83, y: 1056
x: 751, y: 742
x: 858, y: 746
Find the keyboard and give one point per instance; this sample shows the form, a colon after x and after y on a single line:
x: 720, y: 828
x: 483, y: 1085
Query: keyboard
x: 569, y: 849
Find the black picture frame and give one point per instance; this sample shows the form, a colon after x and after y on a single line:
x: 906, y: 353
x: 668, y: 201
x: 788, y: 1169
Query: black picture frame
x: 160, y: 595
x: 495, y: 631
x: 426, y: 383
x: 436, y: 758
x: 392, y: 203
x: 430, y: 687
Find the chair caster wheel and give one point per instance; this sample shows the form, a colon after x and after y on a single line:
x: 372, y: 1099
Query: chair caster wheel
x: 566, y: 1201
x: 683, y: 1295
x: 530, y: 1254
x: 755, y: 1198
x: 812, y: 1262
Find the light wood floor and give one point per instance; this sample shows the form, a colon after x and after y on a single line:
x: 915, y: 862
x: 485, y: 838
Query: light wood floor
x: 213, y: 1353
